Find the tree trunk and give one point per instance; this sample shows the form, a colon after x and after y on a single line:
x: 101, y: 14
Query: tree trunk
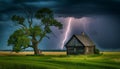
x: 36, y: 50
x: 35, y: 46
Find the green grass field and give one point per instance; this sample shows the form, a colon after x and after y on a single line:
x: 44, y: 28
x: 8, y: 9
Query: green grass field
x: 107, y: 60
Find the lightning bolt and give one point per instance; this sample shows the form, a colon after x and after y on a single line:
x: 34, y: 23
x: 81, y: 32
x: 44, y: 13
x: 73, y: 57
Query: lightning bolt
x: 67, y: 32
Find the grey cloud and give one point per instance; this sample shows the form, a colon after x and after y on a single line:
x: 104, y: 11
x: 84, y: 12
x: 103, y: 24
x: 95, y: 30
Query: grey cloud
x: 74, y: 8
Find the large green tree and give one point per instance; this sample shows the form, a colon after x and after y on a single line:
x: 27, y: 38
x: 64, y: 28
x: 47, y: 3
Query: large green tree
x: 29, y: 34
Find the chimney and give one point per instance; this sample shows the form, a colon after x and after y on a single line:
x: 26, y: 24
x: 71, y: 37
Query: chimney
x: 82, y: 33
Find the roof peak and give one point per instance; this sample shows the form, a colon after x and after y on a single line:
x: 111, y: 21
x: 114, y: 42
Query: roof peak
x: 84, y: 38
x: 82, y: 33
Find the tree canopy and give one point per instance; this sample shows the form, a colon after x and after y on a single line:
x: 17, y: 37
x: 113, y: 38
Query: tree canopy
x: 26, y: 36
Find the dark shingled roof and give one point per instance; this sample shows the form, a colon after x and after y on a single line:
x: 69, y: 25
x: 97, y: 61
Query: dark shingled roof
x: 84, y: 39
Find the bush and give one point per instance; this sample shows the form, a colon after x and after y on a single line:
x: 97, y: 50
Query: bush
x: 35, y: 55
x: 97, y: 51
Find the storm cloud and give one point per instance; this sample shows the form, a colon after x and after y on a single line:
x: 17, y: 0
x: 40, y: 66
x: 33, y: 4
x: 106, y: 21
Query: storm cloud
x: 103, y: 28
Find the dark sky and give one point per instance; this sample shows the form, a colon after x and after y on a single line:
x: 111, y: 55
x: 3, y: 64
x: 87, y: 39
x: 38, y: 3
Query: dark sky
x: 102, y: 16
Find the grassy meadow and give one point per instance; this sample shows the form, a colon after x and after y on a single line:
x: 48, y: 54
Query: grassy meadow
x: 59, y: 60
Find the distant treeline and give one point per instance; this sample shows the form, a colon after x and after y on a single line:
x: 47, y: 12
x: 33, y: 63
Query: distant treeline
x: 63, y: 50
x: 41, y: 50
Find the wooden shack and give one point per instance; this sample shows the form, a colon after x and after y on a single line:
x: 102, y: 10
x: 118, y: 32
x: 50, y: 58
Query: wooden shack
x: 80, y: 44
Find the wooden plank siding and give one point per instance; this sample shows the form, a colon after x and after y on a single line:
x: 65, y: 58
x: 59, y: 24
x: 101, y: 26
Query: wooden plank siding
x: 80, y: 44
